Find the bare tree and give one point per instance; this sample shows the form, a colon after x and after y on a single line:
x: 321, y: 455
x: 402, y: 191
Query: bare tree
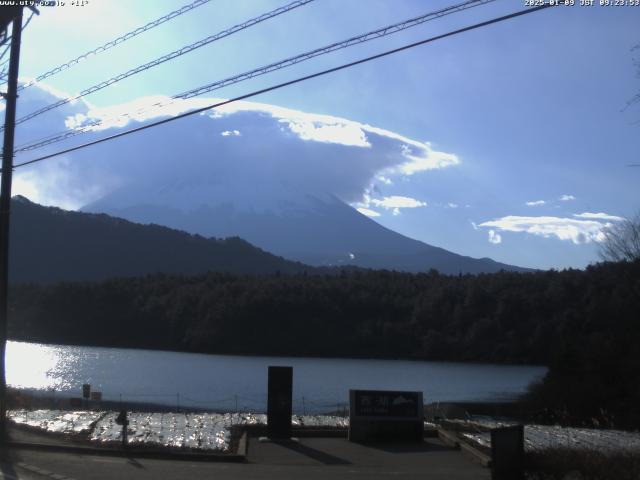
x: 622, y: 241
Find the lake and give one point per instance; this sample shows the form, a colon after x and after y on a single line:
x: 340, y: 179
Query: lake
x: 227, y: 382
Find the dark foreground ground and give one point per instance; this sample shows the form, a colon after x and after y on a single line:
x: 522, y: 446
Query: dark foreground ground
x: 308, y: 459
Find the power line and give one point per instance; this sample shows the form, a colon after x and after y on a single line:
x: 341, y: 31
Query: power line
x: 4, y: 52
x: 116, y: 41
x: 288, y: 83
x: 167, y: 57
x: 28, y: 20
x: 380, y: 32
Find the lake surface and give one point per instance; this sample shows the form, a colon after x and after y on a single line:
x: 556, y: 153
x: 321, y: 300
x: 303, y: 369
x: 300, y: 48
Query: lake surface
x: 224, y: 382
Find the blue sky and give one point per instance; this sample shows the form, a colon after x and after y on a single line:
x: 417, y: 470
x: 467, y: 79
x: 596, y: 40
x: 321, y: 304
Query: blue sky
x: 528, y: 115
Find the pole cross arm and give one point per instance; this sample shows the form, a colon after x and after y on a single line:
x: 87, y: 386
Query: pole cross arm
x: 8, y: 15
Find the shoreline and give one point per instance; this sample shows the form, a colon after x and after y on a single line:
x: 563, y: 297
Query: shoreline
x: 447, y: 409
x: 24, y: 398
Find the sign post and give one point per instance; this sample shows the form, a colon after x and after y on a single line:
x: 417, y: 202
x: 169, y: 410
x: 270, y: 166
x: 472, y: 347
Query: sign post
x: 86, y: 393
x: 279, y: 402
x: 507, y: 453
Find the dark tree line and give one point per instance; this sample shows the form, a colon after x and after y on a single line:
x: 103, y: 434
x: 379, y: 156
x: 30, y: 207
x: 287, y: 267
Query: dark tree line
x: 584, y: 324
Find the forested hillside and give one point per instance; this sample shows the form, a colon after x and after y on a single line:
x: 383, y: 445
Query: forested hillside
x: 502, y: 317
x: 583, y: 324
x: 50, y: 245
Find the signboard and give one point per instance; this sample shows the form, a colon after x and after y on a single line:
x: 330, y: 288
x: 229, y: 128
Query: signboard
x: 86, y: 390
x: 279, y: 402
x: 372, y: 403
x: 385, y: 416
x: 507, y: 453
x: 96, y: 396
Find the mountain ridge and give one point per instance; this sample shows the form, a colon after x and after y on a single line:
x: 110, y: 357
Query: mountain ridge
x: 318, y: 230
x: 49, y: 244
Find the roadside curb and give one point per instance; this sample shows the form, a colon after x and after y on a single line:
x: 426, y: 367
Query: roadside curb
x: 449, y: 438
x: 475, y: 454
x: 453, y: 440
x: 113, y: 452
x: 243, y: 445
x: 42, y: 471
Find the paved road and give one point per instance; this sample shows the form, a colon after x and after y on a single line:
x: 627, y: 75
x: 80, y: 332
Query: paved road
x: 309, y: 459
x: 10, y: 471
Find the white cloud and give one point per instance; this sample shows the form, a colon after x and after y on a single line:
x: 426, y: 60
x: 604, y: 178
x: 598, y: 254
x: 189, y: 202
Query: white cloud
x: 494, y: 237
x: 424, y: 158
x: 393, y: 203
x: 368, y: 212
x: 416, y: 156
x: 452, y: 205
x: 474, y: 225
x: 51, y: 90
x: 323, y: 153
x: 569, y: 229
x: 343, y: 133
x: 227, y: 133
x: 599, y: 216
x: 23, y: 185
x: 54, y: 184
x: 566, y: 198
x: 138, y: 110
x: 308, y: 126
x: 397, y: 201
x: 536, y: 203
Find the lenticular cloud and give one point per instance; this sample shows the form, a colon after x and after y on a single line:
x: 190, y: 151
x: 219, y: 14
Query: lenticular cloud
x: 243, y: 144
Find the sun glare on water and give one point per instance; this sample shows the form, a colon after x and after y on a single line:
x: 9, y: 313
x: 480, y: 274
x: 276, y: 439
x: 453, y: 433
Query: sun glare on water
x: 36, y: 366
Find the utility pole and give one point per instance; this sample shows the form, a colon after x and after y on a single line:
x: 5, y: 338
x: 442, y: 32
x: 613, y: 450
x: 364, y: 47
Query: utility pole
x: 5, y: 205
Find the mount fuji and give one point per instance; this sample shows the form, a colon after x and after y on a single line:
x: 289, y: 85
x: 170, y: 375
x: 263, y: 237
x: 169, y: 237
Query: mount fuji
x: 282, y: 179
x: 316, y: 229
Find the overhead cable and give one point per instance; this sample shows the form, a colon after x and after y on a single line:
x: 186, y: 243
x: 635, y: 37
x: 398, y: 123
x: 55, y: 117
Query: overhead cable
x: 116, y: 41
x: 288, y: 83
x: 166, y: 58
x: 4, y: 73
x: 380, y: 32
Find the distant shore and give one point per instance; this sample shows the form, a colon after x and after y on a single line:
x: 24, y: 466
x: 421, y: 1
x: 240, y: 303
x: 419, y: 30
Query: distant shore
x: 27, y: 400
x: 432, y: 411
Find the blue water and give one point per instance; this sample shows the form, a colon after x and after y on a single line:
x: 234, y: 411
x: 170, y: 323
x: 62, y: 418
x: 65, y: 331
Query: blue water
x: 225, y: 382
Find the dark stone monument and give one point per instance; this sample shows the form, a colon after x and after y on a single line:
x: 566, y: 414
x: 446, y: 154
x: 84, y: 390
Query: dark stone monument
x: 507, y: 453
x: 385, y: 416
x: 279, y: 403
